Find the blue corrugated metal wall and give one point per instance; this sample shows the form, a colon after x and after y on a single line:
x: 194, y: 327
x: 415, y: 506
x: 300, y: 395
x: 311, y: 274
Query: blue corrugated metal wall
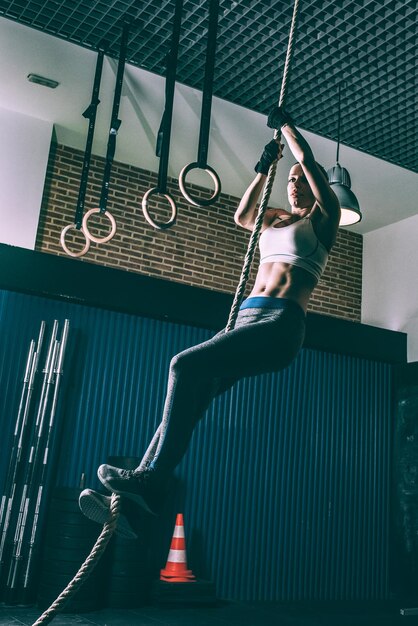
x: 287, y: 478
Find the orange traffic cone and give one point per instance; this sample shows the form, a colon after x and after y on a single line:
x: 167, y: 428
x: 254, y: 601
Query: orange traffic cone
x: 176, y: 568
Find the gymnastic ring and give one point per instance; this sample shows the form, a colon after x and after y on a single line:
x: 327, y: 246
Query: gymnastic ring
x: 66, y: 248
x: 199, y: 201
x: 159, y: 225
x: 87, y: 232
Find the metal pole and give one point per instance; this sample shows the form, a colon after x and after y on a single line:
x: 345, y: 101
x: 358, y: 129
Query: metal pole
x: 46, y: 369
x: 46, y: 455
x: 17, y: 558
x: 20, y: 437
x: 13, y: 455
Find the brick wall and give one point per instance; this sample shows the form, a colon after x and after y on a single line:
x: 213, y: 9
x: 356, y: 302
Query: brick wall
x: 205, y: 248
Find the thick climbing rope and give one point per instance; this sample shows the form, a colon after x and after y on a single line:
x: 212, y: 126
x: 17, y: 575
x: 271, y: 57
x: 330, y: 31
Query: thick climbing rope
x: 115, y: 504
x: 255, y: 235
x: 88, y: 565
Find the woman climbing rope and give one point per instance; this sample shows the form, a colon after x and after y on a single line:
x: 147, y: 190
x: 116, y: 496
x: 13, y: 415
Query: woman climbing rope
x: 269, y: 330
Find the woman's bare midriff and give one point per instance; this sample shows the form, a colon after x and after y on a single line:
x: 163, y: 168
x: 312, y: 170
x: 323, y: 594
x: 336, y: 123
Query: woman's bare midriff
x: 280, y: 280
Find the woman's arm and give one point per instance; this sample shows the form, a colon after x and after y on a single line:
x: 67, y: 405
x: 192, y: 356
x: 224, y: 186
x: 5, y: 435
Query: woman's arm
x: 301, y: 150
x: 326, y: 199
x: 246, y: 213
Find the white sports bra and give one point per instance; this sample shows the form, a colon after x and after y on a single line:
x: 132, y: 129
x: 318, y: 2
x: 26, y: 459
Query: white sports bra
x: 295, y: 244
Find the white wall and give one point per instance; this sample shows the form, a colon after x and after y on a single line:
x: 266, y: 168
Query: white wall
x: 390, y: 280
x: 237, y: 134
x: 24, y: 147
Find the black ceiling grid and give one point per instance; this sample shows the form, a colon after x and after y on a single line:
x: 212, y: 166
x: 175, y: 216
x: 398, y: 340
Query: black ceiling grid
x: 368, y: 45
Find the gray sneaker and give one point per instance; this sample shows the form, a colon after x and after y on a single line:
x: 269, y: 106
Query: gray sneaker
x: 96, y: 507
x: 143, y: 487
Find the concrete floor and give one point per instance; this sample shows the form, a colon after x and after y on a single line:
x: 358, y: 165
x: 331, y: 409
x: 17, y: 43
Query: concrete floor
x: 225, y: 614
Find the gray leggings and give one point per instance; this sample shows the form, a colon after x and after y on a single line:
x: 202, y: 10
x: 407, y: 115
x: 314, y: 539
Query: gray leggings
x: 264, y: 340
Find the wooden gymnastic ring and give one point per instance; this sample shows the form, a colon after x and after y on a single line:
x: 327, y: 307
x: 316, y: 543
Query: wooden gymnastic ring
x: 66, y: 248
x: 159, y: 225
x: 87, y: 232
x: 199, y: 201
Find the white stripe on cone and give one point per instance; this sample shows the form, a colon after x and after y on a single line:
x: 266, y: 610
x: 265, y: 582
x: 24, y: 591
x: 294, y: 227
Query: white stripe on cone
x: 177, y: 556
x: 178, y: 532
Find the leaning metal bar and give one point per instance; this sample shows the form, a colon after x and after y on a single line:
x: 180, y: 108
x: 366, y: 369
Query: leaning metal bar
x: 47, y: 368
x: 10, y: 483
x: 10, y: 477
x: 90, y: 114
x: 20, y: 524
x: 21, y: 438
x: 18, y: 557
x: 202, y: 154
x: 267, y: 188
x: 98, y: 548
x: 115, y: 123
x: 58, y: 371
x: 164, y: 133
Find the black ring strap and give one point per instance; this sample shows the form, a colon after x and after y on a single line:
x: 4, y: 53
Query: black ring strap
x: 202, y: 153
x: 90, y: 114
x: 114, y: 122
x: 163, y: 139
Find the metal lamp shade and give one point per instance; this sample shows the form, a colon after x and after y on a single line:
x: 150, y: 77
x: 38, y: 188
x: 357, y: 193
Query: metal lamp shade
x: 340, y: 181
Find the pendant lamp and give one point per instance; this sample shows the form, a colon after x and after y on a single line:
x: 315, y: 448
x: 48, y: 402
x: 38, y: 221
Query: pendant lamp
x: 340, y: 182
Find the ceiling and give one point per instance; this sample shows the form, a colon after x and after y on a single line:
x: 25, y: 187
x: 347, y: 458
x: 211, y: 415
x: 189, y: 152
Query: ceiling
x: 366, y: 46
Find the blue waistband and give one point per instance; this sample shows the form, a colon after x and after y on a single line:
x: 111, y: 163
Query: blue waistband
x: 269, y: 302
